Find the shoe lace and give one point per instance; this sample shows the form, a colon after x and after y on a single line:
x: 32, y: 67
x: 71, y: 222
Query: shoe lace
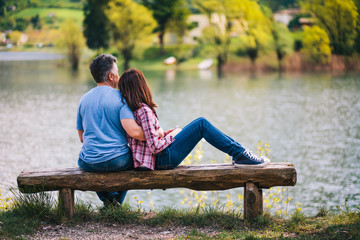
x: 251, y: 156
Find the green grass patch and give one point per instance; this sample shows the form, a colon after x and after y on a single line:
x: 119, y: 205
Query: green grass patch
x: 51, y: 15
x: 30, y: 211
x: 209, y: 216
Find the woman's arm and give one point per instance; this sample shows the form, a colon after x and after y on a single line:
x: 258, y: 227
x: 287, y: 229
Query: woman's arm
x: 153, y: 141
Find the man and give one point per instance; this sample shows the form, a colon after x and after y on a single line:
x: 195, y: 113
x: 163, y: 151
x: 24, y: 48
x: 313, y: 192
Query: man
x: 103, y: 120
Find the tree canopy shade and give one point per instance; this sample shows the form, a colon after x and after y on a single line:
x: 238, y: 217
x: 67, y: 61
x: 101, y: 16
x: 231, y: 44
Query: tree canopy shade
x: 168, y: 14
x: 339, y: 19
x: 277, y: 5
x: 96, y: 24
x: 130, y: 23
x: 2, y: 8
x: 316, y: 45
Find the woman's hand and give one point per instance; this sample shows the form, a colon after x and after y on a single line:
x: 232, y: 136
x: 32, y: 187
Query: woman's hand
x: 169, y: 131
x: 161, y: 133
x: 175, y: 131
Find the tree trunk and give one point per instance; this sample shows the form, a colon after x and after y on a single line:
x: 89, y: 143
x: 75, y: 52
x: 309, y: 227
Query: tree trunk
x: 161, y: 42
x: 127, y: 55
x: 219, y: 66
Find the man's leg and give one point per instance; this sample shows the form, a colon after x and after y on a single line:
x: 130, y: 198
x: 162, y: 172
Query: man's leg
x: 121, y: 163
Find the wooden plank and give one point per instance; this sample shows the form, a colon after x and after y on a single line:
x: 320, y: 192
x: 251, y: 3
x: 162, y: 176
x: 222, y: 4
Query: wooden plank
x: 196, y: 177
x: 253, y: 201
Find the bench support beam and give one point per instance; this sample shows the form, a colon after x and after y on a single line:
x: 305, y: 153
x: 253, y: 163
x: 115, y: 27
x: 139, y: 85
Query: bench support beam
x: 66, y: 201
x: 253, y: 201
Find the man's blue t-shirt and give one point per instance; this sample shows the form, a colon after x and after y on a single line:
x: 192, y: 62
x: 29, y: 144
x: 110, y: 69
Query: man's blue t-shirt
x: 99, y: 114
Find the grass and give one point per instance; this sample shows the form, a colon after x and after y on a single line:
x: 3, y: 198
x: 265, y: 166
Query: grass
x: 30, y: 211
x: 59, y: 13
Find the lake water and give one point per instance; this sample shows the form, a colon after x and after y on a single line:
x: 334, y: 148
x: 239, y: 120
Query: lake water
x: 310, y: 120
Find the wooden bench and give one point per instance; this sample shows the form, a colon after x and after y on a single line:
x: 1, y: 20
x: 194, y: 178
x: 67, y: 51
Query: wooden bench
x: 196, y: 177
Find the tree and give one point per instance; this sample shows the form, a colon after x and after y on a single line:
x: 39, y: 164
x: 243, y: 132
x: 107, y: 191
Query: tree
x: 339, y: 19
x: 316, y: 45
x: 283, y: 41
x: 168, y: 14
x: 2, y: 8
x: 357, y: 39
x: 220, y: 14
x: 276, y: 5
x: 35, y: 21
x: 130, y: 23
x: 73, y: 40
x: 96, y: 24
x: 223, y: 14
x: 256, y: 27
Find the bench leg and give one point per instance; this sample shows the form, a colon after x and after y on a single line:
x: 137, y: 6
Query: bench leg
x: 253, y: 201
x: 66, y: 201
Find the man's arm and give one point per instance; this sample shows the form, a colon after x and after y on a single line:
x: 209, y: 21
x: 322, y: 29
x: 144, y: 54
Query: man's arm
x: 81, y: 132
x: 133, y: 129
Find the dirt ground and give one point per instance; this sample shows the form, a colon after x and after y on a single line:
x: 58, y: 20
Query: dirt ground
x: 91, y: 230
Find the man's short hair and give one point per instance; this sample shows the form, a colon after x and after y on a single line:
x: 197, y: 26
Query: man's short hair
x: 101, y: 67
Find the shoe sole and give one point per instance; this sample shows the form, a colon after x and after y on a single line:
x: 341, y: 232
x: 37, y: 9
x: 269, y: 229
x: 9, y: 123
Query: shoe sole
x: 261, y: 165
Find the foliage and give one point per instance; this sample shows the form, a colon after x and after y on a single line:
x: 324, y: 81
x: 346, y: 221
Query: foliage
x: 73, y: 40
x: 357, y: 39
x: 131, y: 23
x: 295, y: 24
x: 277, y: 5
x: 96, y: 24
x: 119, y: 214
x: 2, y: 8
x: 283, y: 42
x: 169, y: 15
x: 15, y: 37
x: 256, y: 29
x: 339, y: 19
x: 223, y: 16
x: 5, y: 203
x: 36, y: 22
x: 207, y: 216
x: 25, y: 214
x: 316, y: 45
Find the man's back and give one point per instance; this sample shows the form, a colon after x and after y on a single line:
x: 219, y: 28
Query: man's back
x: 99, y: 114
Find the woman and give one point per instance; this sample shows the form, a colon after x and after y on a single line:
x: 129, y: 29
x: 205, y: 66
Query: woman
x: 166, y: 150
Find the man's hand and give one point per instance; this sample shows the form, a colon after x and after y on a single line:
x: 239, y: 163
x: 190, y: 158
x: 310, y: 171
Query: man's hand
x: 133, y: 129
x: 81, y: 132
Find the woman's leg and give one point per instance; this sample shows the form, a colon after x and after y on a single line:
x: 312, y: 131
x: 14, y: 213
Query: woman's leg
x: 187, y: 139
x: 121, y: 163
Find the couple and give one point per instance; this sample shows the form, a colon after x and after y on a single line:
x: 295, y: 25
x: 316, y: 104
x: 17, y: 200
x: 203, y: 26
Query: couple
x: 120, y: 129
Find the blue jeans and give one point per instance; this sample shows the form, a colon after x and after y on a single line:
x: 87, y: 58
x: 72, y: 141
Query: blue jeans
x: 121, y: 163
x: 186, y: 140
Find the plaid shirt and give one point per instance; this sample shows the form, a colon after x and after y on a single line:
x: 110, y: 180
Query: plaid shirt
x: 144, y: 152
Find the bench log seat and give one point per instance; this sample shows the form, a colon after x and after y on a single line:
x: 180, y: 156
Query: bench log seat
x: 196, y: 177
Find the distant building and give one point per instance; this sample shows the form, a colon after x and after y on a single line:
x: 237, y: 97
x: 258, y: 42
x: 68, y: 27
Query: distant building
x: 285, y: 16
x: 306, y: 21
x: 199, y: 21
x: 11, y: 8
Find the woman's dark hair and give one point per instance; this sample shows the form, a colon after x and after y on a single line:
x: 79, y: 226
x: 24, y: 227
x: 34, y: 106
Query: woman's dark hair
x: 135, y: 90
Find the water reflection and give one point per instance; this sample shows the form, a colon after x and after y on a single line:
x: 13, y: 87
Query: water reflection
x: 309, y: 120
